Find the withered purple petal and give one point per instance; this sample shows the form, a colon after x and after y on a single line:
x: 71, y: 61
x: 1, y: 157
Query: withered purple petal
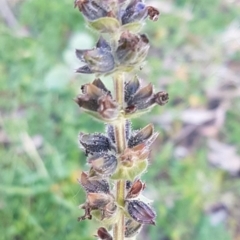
x: 137, y: 187
x: 104, y: 164
x: 131, y: 87
x: 93, y: 185
x: 142, y: 99
x: 141, y: 212
x: 142, y: 95
x: 95, y: 142
x: 98, y: 59
x: 141, y: 136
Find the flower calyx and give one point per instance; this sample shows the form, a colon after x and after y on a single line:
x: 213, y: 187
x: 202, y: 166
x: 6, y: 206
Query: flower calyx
x: 131, y: 51
x: 95, y: 143
x: 97, y: 101
x: 98, y: 198
x: 98, y: 60
x: 140, y: 212
x: 145, y: 135
x: 136, y: 189
x: 140, y: 100
x: 103, y: 164
x: 93, y: 185
x: 134, y: 159
x: 102, y: 202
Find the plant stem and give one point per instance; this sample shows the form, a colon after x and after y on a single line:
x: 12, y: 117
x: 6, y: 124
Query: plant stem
x: 118, y: 230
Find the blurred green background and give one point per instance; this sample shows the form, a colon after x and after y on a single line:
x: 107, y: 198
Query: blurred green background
x: 193, y: 175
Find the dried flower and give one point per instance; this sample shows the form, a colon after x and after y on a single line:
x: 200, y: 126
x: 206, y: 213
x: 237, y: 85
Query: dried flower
x: 103, y: 202
x: 92, y: 185
x: 141, y: 212
x: 98, y: 60
x: 95, y: 143
x: 97, y: 101
x: 139, y: 99
x: 132, y: 50
x: 145, y: 135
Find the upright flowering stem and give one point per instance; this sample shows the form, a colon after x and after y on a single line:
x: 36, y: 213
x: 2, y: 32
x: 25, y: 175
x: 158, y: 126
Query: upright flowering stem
x: 119, y: 128
x: 118, y: 230
x: 119, y: 88
x: 118, y: 158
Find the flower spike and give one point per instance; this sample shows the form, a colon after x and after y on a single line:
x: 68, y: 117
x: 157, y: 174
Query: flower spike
x: 118, y: 158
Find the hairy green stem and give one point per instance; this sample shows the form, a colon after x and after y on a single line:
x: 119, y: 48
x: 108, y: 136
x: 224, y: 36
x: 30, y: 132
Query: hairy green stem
x: 118, y: 230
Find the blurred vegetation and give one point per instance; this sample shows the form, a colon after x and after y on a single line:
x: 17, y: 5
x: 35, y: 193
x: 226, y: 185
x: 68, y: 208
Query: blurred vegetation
x: 39, y: 121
